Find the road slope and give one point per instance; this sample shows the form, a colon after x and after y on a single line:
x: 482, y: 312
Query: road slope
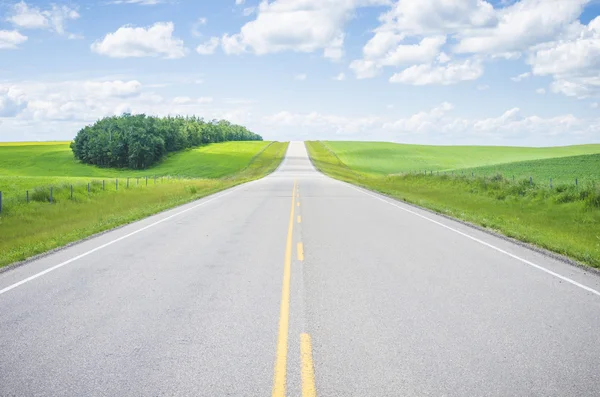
x: 296, y: 283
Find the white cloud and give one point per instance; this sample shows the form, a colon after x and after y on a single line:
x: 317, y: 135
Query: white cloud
x: 364, y: 69
x: 153, y: 41
x: 540, y: 91
x: 300, y: 77
x: 521, y: 77
x: 208, y: 47
x: 521, y: 25
x: 239, y: 2
x: 340, y: 77
x: 31, y: 17
x: 427, y: 17
x: 438, y: 125
x: 384, y: 50
x: 483, y: 87
x: 595, y: 105
x: 10, y: 39
x: 300, y: 26
x: 447, y: 74
x: 573, y: 62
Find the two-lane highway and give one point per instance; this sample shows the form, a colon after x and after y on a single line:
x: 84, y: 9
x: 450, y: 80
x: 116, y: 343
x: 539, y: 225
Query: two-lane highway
x: 293, y: 285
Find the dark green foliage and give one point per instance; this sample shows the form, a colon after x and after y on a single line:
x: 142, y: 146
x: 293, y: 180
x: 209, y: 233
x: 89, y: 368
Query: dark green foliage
x: 138, y: 141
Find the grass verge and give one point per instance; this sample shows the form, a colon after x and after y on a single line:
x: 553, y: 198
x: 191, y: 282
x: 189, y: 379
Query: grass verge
x: 30, y: 229
x: 565, y: 219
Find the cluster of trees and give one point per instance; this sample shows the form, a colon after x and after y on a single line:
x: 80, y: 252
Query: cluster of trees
x: 138, y: 141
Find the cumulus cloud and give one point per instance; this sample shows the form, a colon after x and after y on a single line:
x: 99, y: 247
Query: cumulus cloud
x: 10, y: 39
x: 439, y: 124
x: 573, y: 62
x: 450, y: 73
x: 426, y: 34
x: 300, y: 26
x: 520, y: 25
x: 208, y: 47
x: 154, y: 41
x: 521, y: 77
x: 300, y: 77
x: 31, y: 17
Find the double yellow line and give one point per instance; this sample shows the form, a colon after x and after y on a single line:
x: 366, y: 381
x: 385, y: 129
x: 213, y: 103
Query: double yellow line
x: 307, y: 370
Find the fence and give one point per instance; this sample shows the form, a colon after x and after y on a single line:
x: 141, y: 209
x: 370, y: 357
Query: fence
x: 48, y: 194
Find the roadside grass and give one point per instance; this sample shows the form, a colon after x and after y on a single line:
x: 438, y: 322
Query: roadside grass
x: 391, y: 158
x: 37, y: 227
x: 565, y: 219
x: 55, y: 159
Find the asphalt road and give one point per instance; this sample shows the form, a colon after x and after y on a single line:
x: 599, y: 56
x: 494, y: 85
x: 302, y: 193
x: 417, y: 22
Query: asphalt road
x: 296, y: 283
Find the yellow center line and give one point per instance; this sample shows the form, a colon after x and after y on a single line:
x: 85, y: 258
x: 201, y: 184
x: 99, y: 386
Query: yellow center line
x: 300, y: 251
x: 308, y: 369
x: 299, y: 219
x: 284, y: 312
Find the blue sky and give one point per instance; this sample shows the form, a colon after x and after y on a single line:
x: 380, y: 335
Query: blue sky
x: 430, y: 71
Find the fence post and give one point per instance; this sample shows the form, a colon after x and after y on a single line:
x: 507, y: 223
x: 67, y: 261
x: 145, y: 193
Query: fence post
x: 117, y: 184
x: 550, y: 183
x: 472, y: 174
x: 103, y: 184
x: 71, y: 192
x: 51, y: 195
x: 530, y: 181
x: 146, y: 180
x: 575, y: 181
x: 27, y: 196
x: 127, y: 183
x: 88, y: 188
x: 138, y: 181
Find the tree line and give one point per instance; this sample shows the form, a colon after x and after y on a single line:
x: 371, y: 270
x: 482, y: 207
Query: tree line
x: 138, y: 141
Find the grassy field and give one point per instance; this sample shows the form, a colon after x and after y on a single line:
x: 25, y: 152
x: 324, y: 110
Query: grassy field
x: 562, y: 170
x: 565, y: 219
x: 25, y: 166
x: 30, y: 229
x: 392, y: 158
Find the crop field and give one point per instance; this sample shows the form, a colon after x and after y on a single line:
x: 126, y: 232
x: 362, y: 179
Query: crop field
x: 33, y: 228
x: 391, y: 158
x: 564, y: 219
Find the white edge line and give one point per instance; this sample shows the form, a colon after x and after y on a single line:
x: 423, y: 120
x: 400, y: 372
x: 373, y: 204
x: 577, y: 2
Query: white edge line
x: 568, y: 280
x: 40, y: 274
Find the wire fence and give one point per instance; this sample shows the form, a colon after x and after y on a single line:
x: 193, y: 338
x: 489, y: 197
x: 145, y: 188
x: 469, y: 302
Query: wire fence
x: 52, y: 194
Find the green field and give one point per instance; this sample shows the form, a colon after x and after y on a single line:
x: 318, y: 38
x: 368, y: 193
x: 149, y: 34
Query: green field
x: 56, y: 159
x: 565, y: 219
x: 30, y: 229
x: 392, y: 158
x: 25, y: 166
x: 562, y: 170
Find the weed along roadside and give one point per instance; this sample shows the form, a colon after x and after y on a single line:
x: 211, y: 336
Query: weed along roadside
x: 564, y: 218
x: 34, y: 227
